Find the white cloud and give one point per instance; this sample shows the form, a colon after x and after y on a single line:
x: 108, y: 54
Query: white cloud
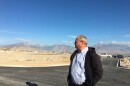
x: 72, y: 36
x: 22, y: 40
x: 25, y: 40
x: 127, y: 35
x: 116, y: 42
x: 104, y: 42
x: 101, y: 42
x: 11, y: 32
x: 4, y: 40
x: 68, y: 42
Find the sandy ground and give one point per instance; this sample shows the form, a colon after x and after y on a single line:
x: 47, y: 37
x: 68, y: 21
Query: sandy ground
x: 32, y: 59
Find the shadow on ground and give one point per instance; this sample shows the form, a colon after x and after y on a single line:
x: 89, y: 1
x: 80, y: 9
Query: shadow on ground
x: 31, y: 84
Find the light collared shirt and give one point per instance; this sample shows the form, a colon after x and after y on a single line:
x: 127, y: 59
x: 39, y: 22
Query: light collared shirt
x: 77, y: 68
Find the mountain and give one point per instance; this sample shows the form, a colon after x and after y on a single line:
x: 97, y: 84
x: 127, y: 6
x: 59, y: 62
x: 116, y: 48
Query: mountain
x: 112, y: 49
x: 22, y: 46
x: 59, y: 48
x: 100, y: 48
x: 25, y: 46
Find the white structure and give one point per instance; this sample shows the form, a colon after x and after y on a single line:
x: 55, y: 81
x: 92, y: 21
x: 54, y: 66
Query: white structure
x: 105, y: 55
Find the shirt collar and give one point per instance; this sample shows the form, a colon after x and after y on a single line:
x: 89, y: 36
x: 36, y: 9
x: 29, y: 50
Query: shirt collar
x: 84, y: 50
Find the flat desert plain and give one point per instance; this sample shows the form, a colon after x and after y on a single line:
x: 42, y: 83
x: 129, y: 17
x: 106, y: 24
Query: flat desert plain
x: 20, y: 68
x: 32, y: 59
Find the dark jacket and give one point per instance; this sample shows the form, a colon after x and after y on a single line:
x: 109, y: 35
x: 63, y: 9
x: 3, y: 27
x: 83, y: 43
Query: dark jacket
x: 93, y: 68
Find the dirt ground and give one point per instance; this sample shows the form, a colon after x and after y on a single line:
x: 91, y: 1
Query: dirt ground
x: 19, y: 68
x: 32, y: 59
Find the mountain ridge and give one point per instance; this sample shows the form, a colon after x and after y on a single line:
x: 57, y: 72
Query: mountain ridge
x: 100, y: 48
x: 33, y: 47
x: 112, y: 49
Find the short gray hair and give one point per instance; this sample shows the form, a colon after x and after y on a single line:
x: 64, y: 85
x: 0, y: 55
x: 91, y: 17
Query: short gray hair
x: 83, y: 38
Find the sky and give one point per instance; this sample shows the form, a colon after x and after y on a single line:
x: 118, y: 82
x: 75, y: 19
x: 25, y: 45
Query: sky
x: 49, y: 22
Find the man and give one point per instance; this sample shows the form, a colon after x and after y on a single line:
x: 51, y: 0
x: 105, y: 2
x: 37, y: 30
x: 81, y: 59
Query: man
x: 85, y: 67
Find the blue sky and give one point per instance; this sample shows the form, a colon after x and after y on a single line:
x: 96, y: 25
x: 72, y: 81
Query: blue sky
x: 51, y: 22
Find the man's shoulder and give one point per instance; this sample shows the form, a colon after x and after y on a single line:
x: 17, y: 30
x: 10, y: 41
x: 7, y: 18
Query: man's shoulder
x: 91, y: 48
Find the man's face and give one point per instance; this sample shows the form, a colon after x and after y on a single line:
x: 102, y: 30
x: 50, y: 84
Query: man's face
x: 78, y: 43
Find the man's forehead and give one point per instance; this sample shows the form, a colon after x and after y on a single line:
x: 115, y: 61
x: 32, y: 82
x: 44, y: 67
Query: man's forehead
x: 77, y: 39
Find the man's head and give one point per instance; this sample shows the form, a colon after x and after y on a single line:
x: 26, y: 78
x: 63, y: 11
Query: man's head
x: 80, y: 42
